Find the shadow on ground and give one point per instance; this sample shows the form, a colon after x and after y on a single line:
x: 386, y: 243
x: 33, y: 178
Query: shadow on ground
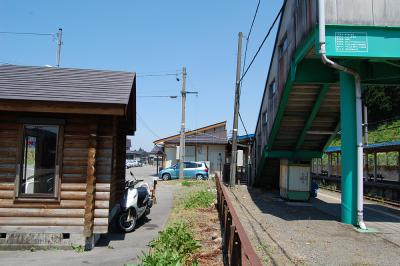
x: 116, y: 235
x: 270, y: 202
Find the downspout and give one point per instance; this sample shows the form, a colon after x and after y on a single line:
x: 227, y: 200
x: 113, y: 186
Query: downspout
x: 332, y: 64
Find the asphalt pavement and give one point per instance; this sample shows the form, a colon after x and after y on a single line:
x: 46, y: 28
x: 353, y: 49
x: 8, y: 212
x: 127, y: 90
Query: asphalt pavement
x: 115, y: 248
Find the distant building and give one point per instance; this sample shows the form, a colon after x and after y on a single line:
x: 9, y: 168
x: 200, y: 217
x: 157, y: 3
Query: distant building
x: 140, y: 155
x: 203, y: 144
x: 128, y: 144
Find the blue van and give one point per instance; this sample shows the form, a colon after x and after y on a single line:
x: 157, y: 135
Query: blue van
x: 193, y: 170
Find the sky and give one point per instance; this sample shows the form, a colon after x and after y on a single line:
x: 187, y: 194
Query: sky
x: 152, y: 37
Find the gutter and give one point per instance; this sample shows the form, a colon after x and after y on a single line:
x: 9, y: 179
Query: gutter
x: 332, y: 64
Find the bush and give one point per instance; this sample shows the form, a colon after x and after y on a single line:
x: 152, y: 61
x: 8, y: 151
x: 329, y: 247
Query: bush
x: 172, y: 246
x: 199, y: 199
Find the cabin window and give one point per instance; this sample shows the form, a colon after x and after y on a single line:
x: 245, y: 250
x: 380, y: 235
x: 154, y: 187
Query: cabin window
x: 38, y: 165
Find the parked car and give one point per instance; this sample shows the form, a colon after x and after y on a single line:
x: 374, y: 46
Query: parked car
x: 133, y: 163
x: 193, y: 170
x: 128, y: 163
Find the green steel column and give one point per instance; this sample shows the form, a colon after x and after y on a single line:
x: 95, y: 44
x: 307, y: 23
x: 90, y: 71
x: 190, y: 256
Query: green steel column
x: 349, y: 149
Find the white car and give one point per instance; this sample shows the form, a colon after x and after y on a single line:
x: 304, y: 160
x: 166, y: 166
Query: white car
x: 129, y: 164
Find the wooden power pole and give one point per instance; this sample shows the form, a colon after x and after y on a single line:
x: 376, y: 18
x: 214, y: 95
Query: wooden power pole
x: 182, y: 139
x: 59, y: 43
x: 232, y: 180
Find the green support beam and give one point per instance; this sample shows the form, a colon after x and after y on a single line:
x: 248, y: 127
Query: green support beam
x: 300, y: 54
x: 313, y: 71
x: 313, y: 114
x: 349, y: 149
x: 332, y: 137
x: 279, y: 114
x: 293, y: 155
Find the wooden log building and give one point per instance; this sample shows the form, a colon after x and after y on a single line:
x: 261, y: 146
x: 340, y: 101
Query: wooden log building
x: 62, y: 152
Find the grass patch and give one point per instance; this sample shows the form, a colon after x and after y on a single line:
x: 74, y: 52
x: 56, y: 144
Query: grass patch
x: 192, y: 228
x: 173, y: 246
x: 199, y: 199
x: 186, y: 183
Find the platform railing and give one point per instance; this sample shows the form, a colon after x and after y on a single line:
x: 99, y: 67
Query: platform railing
x: 236, y: 245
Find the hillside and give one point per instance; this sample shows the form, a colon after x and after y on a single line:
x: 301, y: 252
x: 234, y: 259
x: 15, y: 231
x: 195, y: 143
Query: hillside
x: 389, y: 131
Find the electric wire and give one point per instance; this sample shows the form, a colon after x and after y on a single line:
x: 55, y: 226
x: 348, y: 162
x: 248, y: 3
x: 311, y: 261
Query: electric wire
x: 147, y: 126
x: 157, y: 75
x: 241, y: 120
x: 248, y: 35
x: 158, y: 96
x: 262, y: 43
x: 28, y: 33
x: 245, y: 57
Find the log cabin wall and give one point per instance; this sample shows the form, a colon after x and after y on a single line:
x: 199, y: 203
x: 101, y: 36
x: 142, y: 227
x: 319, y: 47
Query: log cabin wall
x: 119, y: 158
x: 74, y: 206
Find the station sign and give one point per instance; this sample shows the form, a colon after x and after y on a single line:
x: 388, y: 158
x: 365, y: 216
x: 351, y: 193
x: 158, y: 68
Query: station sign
x: 363, y: 41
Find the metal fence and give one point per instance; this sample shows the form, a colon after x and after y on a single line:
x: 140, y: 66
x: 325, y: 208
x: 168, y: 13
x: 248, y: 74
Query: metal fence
x: 236, y: 245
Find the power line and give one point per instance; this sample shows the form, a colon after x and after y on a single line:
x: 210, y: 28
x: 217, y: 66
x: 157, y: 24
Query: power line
x: 147, y: 127
x: 27, y: 33
x: 241, y: 120
x: 158, y: 96
x: 248, y: 35
x: 262, y: 43
x: 157, y: 75
x: 245, y: 56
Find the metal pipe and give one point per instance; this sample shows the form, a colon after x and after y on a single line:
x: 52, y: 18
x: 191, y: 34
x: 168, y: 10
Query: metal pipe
x: 357, y: 79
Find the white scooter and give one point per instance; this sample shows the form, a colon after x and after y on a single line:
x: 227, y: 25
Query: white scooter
x: 135, y: 204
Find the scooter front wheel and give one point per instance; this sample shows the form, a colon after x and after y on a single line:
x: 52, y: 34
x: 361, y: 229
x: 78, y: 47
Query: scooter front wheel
x: 126, y: 225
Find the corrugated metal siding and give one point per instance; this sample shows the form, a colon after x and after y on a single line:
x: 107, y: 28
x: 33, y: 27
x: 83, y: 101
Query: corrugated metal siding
x: 363, y: 12
x: 65, y: 84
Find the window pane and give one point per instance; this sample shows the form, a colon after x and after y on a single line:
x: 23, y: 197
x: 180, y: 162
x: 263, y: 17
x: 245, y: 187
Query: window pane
x: 39, y: 159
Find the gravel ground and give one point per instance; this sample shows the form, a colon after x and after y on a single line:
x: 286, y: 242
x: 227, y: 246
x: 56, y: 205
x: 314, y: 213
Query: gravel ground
x: 291, y: 233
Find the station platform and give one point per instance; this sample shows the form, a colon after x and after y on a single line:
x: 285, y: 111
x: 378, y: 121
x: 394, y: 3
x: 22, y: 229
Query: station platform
x: 310, y: 233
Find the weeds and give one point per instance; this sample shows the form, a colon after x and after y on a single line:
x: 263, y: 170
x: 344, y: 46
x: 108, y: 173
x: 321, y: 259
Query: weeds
x: 192, y: 222
x: 198, y: 199
x: 78, y: 248
x: 186, y: 183
x: 173, y: 246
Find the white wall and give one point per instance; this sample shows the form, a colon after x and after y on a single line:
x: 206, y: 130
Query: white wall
x: 213, y: 157
x: 170, y: 157
x: 208, y: 153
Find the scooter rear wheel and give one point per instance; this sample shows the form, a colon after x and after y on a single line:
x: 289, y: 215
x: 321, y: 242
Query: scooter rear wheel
x: 125, y: 225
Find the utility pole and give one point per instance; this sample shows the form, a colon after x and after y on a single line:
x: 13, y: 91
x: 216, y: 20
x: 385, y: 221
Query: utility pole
x: 232, y: 180
x: 59, y: 43
x: 182, y: 139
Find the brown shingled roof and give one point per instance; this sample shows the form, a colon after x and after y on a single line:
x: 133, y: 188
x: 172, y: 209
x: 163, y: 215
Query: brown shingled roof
x: 65, y: 84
